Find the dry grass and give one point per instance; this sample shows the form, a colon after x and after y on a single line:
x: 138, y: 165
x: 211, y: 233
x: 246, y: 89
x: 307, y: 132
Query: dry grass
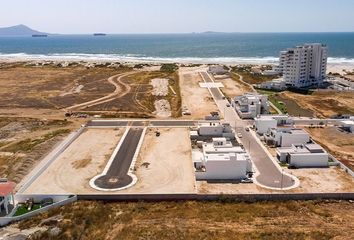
x: 201, y: 220
x: 41, y: 87
x: 338, y: 143
x: 81, y: 163
x: 24, y: 141
x: 324, y: 103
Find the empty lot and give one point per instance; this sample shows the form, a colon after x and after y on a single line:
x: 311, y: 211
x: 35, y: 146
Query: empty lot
x: 197, y: 100
x: 164, y: 163
x: 83, y: 159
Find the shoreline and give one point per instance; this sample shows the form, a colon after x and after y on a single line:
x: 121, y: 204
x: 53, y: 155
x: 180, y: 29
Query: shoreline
x: 110, y: 58
x: 334, y: 65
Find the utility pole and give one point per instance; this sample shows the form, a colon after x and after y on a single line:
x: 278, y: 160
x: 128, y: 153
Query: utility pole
x: 282, y: 176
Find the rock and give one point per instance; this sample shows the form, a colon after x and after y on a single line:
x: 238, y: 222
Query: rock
x: 53, y: 232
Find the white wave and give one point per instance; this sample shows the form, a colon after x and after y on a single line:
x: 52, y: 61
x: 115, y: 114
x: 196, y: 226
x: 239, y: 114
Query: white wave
x: 135, y: 58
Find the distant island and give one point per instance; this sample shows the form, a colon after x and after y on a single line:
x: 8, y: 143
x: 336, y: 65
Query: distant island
x: 20, y: 30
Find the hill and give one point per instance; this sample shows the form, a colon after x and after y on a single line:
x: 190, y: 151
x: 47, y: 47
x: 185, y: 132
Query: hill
x: 18, y: 30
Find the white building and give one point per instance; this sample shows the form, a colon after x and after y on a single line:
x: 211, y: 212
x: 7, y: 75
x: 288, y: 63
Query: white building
x: 251, y: 105
x: 264, y: 123
x: 215, y: 129
x: 217, y: 70
x: 276, y: 84
x: 348, y: 124
x: 220, y: 160
x: 304, y: 66
x: 304, y: 155
x: 286, y: 137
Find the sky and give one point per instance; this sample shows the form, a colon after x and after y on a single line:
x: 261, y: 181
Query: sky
x: 179, y: 16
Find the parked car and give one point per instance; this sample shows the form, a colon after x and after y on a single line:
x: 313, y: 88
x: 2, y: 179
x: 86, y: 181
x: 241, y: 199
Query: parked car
x: 239, y: 135
x: 247, y: 180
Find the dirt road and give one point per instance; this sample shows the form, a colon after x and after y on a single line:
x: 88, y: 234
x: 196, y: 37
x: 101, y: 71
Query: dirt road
x: 121, y: 89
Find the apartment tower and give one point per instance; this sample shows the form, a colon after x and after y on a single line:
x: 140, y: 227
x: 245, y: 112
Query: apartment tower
x: 304, y: 66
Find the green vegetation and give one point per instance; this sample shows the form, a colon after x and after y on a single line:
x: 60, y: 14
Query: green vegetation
x: 272, y: 97
x: 28, y: 144
x: 250, y: 77
x: 224, y: 219
x: 23, y: 209
x: 170, y: 67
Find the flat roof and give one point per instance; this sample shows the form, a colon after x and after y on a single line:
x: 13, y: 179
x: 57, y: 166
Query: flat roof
x: 6, y: 188
x: 313, y: 146
x: 348, y: 122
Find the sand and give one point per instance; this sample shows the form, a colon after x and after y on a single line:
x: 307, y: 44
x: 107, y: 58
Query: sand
x: 165, y: 165
x: 83, y: 159
x: 195, y: 99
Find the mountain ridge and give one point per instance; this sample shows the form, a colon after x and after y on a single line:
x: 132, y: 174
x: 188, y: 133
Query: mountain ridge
x: 19, y: 30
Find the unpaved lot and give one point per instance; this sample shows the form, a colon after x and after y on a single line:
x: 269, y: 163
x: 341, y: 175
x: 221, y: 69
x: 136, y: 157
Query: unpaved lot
x: 338, y: 143
x: 232, y: 88
x: 316, y: 180
x: 312, y: 180
x: 324, y: 103
x: 83, y: 159
x: 197, y: 100
x: 165, y: 164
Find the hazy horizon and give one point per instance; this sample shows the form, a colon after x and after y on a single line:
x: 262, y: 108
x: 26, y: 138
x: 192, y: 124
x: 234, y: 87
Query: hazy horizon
x: 166, y: 17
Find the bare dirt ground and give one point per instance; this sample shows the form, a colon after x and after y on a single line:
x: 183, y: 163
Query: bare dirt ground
x: 83, y: 159
x: 231, y: 87
x: 318, y: 180
x: 339, y: 143
x: 197, y: 100
x: 324, y: 103
x: 47, y: 86
x: 313, y: 180
x: 164, y: 165
x: 341, y: 68
x: 103, y: 90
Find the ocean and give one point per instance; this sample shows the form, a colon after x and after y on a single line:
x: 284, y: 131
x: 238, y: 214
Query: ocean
x: 191, y: 48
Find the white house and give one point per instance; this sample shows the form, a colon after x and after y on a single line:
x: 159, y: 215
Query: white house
x: 264, y: 123
x: 304, y: 66
x: 304, y: 155
x: 286, y: 137
x: 276, y: 84
x: 220, y: 160
x: 215, y: 129
x: 251, y: 105
x: 348, y: 124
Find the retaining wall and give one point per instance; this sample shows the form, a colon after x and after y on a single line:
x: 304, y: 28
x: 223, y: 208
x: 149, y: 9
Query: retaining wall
x: 64, y: 200
x: 51, y: 158
x: 215, y: 197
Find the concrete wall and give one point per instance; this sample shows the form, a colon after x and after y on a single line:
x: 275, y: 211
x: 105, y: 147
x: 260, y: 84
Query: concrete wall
x: 288, y: 139
x: 309, y: 160
x: 264, y: 125
x: 216, y: 197
x: 223, y: 170
x: 211, y: 130
x: 64, y: 200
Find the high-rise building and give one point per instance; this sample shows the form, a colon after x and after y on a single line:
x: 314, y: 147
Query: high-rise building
x: 304, y: 66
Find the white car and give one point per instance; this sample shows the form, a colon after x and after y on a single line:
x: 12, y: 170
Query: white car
x: 239, y: 135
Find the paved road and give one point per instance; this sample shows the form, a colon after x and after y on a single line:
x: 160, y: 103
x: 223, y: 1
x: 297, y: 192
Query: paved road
x: 153, y: 123
x: 117, y: 175
x: 269, y: 174
x: 215, y: 91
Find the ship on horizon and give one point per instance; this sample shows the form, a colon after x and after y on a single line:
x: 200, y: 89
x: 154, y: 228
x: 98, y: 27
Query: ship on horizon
x: 39, y: 35
x: 99, y: 34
